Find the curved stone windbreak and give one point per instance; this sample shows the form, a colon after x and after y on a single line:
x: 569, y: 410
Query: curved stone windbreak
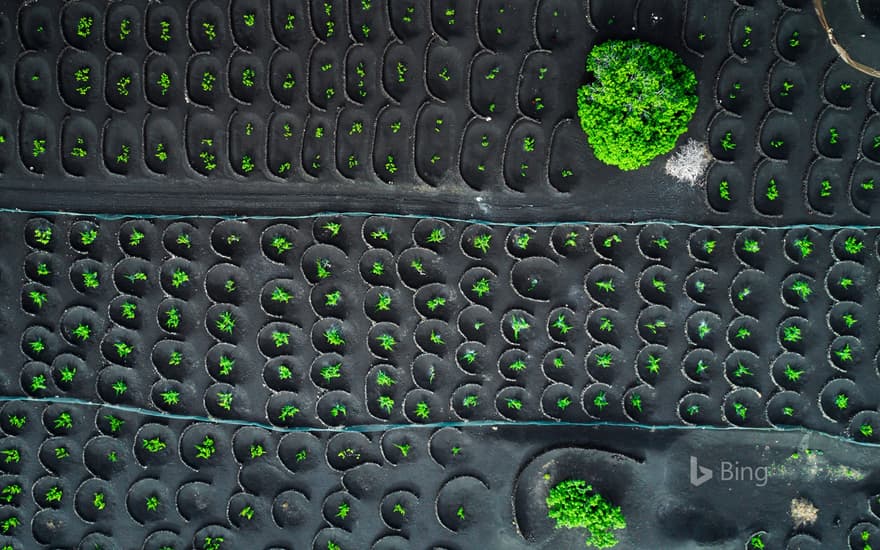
x: 86, y: 476
x: 340, y: 320
x: 447, y: 108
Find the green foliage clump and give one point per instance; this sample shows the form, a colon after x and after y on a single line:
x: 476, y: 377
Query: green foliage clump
x: 640, y: 101
x: 574, y: 504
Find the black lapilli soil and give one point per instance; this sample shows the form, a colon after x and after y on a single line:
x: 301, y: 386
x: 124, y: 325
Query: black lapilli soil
x: 450, y: 108
x: 362, y: 320
x: 78, y: 476
x: 397, y: 302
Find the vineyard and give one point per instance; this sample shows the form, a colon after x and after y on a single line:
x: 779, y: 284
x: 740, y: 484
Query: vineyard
x: 391, y: 274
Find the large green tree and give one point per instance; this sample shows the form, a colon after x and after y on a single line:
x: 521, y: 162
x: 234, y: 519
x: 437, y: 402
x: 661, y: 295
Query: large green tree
x: 574, y: 504
x: 638, y: 103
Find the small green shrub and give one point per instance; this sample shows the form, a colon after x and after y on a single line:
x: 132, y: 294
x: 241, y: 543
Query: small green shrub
x: 638, y: 103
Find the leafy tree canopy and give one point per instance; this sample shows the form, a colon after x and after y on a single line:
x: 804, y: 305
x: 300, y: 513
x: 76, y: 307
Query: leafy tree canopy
x: 574, y: 504
x: 640, y: 101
